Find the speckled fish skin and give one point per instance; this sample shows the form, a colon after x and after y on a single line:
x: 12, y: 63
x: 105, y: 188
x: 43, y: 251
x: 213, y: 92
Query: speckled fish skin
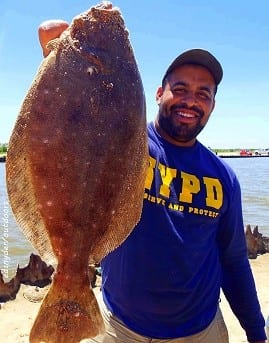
x: 77, y: 162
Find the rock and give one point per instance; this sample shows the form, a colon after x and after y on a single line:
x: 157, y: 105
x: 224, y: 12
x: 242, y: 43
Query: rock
x: 252, y: 245
x: 9, y: 290
x: 36, y: 273
x: 258, y: 236
x: 35, y: 294
x: 257, y: 244
x: 266, y: 244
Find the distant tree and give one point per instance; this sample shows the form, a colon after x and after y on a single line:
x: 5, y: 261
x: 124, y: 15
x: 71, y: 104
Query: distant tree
x: 3, y: 147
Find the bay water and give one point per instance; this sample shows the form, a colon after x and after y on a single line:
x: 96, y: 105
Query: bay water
x: 253, y: 174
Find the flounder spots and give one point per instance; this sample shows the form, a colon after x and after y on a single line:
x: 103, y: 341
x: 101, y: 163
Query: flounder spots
x: 58, y: 131
x: 66, y: 310
x: 91, y: 70
x: 66, y: 276
x: 108, y: 85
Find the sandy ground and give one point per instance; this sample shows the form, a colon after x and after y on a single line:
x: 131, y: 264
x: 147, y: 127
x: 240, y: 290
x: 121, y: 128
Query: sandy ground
x: 260, y: 269
x: 17, y: 316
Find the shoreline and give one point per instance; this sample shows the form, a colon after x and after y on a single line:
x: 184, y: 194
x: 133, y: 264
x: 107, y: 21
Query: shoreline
x: 17, y: 316
x: 222, y: 155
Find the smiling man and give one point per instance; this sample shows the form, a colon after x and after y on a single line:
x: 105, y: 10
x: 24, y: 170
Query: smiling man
x: 163, y: 283
x: 186, y: 101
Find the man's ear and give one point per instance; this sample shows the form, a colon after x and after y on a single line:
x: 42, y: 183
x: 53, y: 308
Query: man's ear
x: 159, y: 94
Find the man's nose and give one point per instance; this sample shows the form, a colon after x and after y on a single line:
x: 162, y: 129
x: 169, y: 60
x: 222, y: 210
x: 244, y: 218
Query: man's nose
x: 189, y: 99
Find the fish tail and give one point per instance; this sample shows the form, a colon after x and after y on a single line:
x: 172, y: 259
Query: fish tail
x: 67, y: 315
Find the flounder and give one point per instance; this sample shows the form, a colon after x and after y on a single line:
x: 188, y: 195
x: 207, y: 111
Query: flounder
x: 77, y: 162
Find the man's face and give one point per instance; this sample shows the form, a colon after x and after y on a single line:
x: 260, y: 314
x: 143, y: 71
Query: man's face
x: 185, y: 104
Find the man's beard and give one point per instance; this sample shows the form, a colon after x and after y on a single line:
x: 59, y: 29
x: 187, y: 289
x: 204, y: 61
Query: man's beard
x: 182, y: 133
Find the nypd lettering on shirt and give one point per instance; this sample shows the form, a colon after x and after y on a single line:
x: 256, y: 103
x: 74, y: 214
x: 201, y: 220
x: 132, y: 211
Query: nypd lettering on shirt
x: 189, y: 187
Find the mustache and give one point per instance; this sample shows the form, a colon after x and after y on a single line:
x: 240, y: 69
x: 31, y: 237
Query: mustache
x: 186, y: 107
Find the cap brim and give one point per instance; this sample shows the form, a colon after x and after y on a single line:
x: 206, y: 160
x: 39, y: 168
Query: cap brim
x: 200, y: 57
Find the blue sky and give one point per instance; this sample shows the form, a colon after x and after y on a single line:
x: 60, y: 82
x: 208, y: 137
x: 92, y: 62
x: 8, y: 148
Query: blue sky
x: 237, y: 32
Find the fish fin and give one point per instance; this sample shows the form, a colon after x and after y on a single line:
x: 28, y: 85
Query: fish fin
x: 67, y: 317
x: 21, y: 193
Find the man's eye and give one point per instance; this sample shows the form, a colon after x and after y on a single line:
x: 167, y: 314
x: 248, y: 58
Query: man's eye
x: 204, y: 95
x: 179, y: 90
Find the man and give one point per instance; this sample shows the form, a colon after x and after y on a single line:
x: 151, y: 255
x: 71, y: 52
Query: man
x: 163, y: 283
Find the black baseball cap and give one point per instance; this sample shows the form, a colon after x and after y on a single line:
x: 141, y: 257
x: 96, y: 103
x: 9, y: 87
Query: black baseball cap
x: 200, y: 57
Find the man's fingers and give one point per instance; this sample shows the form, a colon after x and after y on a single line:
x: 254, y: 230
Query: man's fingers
x: 49, y: 30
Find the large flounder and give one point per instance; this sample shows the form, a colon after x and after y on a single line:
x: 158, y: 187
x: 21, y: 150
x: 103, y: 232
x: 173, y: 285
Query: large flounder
x: 76, y: 164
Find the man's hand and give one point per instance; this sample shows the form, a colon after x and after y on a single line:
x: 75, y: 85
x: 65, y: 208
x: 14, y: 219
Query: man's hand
x: 49, y: 30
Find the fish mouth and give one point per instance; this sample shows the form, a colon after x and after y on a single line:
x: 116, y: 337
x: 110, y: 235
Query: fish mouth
x: 105, y: 7
x: 106, y: 12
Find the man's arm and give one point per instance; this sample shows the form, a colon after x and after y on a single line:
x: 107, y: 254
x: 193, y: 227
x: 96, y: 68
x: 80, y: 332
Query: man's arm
x: 237, y: 282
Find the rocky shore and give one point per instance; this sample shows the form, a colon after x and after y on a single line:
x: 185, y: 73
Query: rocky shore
x: 21, y: 297
x: 257, y: 244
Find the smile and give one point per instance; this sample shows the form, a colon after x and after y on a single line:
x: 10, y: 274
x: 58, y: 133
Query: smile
x: 186, y: 115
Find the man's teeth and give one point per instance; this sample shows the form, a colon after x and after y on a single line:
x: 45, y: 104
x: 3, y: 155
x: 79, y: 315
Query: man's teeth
x: 186, y: 115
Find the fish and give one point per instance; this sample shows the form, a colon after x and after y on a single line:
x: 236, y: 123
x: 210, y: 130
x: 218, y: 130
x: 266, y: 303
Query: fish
x: 77, y: 162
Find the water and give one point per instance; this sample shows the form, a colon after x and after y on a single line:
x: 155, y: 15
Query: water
x: 14, y: 248
x: 253, y: 174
